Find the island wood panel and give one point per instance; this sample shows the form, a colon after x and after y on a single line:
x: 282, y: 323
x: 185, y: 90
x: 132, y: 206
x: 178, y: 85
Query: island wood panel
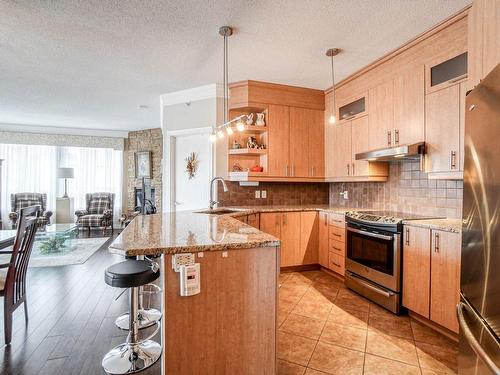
x: 299, y: 142
x: 309, y: 238
x: 417, y: 269
x: 409, y: 101
x: 230, y: 327
x: 442, y: 120
x: 445, y: 278
x: 190, y: 329
x: 246, y: 312
x: 323, y: 239
x: 279, y: 140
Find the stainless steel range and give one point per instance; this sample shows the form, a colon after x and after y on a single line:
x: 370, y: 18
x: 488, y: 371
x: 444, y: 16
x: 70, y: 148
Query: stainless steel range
x: 374, y: 255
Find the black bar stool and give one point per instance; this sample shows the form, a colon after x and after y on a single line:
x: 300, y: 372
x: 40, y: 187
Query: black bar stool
x: 134, y: 355
x: 147, y: 317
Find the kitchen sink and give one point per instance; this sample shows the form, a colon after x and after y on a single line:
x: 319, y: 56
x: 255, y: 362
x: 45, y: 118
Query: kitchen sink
x: 222, y: 211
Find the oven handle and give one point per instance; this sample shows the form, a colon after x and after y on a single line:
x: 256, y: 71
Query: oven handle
x: 370, y: 234
x: 370, y: 286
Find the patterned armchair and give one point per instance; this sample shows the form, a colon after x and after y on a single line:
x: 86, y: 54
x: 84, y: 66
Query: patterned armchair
x: 23, y: 200
x: 99, y: 212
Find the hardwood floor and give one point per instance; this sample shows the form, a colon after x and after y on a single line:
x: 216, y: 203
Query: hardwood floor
x: 71, y: 320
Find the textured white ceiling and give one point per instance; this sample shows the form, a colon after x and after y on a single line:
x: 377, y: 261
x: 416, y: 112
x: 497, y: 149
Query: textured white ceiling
x: 90, y: 64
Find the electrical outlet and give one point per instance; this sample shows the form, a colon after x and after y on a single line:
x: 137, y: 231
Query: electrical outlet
x: 257, y: 194
x: 263, y: 194
x: 344, y: 194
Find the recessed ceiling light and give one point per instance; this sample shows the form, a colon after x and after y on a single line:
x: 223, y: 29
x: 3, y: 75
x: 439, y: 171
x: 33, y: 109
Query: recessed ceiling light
x: 144, y: 106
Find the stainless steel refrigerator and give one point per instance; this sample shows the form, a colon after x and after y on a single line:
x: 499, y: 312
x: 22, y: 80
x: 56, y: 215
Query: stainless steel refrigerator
x: 479, y: 308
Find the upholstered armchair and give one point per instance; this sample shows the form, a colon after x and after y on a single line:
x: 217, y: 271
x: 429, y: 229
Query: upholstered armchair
x: 23, y: 200
x: 99, y: 211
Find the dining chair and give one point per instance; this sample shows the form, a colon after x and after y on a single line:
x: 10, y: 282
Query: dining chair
x: 13, y: 274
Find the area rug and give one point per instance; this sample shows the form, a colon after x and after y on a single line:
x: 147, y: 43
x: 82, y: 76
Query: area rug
x: 76, y: 251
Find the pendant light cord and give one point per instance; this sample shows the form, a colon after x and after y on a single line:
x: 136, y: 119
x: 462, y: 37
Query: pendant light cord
x: 226, y: 78
x: 333, y: 89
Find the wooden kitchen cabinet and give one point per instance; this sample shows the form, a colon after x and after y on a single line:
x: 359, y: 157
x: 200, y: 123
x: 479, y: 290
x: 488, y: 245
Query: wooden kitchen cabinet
x: 444, y: 116
x: 349, y: 138
x: 286, y: 227
x: 409, y: 100
x: 309, y: 238
x: 279, y: 140
x: 231, y: 323
x: 431, y: 274
x: 483, y: 40
x: 359, y: 143
x: 445, y: 278
x: 323, y: 248
x: 416, y: 269
x: 306, y: 143
x: 381, y: 116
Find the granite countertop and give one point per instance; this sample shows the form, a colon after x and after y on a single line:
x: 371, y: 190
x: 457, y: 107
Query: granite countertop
x: 447, y: 225
x: 188, y: 231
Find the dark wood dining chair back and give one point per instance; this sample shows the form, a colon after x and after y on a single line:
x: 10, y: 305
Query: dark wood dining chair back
x: 14, y: 291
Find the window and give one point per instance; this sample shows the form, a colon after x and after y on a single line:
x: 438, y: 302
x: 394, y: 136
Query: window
x: 33, y: 168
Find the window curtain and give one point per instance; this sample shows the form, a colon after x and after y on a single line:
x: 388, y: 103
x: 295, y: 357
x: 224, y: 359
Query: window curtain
x: 96, y: 170
x: 33, y: 168
x: 27, y: 169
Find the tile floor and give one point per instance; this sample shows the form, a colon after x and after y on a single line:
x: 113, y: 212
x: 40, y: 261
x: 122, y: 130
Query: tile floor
x: 325, y: 328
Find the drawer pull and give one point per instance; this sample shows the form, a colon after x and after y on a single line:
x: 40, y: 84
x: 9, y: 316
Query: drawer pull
x: 337, y: 235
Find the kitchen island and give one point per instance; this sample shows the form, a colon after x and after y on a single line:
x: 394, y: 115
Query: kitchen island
x: 230, y: 326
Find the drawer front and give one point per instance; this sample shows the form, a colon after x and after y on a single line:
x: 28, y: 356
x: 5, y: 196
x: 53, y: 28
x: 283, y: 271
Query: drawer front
x: 337, y: 247
x: 337, y: 220
x: 337, y: 234
x: 336, y: 263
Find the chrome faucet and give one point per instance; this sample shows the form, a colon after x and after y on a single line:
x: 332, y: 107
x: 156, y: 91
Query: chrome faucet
x: 212, y: 183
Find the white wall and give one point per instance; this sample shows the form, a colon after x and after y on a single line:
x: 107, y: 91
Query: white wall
x: 199, y: 107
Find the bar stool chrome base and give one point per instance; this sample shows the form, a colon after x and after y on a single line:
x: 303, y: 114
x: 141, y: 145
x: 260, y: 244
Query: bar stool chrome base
x: 128, y: 358
x: 145, y: 319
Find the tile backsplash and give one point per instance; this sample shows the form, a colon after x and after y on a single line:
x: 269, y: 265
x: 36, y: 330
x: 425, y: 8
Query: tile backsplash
x: 278, y: 193
x: 407, y: 190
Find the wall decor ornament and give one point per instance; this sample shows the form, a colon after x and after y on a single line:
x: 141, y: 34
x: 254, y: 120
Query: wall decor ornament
x: 143, y: 164
x: 192, y: 163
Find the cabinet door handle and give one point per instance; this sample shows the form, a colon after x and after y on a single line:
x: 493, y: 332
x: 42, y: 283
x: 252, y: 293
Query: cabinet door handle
x: 436, y: 242
x: 284, y: 219
x: 389, y: 138
x: 348, y: 169
x: 277, y: 220
x: 353, y: 169
x: 336, y: 248
x: 396, y: 136
x: 453, y: 159
x: 407, y: 235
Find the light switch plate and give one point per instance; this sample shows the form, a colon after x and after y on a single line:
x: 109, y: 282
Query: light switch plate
x: 263, y: 194
x: 257, y: 194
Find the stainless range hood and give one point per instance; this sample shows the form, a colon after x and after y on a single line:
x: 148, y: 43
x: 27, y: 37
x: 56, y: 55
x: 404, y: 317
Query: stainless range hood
x: 414, y: 151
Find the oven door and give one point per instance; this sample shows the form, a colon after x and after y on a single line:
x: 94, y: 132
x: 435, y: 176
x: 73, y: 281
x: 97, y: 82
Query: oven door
x: 375, y: 256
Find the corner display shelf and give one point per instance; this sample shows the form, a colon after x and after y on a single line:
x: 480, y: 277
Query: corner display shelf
x: 247, y: 151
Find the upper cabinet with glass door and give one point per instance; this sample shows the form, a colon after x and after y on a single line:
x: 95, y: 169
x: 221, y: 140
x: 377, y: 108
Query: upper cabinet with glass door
x: 445, y: 71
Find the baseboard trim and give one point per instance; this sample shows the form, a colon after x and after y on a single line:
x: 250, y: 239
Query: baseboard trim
x: 302, y: 267
x: 436, y: 327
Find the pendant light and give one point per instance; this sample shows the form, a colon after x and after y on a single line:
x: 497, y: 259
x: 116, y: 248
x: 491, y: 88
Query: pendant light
x: 330, y: 53
x: 218, y: 131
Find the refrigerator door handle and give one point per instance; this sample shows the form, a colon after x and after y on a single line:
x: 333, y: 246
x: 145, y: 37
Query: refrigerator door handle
x: 472, y: 341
